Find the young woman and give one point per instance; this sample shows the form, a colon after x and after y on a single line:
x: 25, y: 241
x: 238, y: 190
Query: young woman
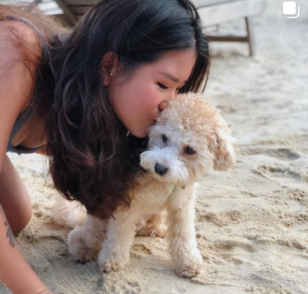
x: 87, y: 99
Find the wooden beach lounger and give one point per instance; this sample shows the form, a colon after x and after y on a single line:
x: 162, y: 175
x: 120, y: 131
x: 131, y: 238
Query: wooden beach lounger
x: 212, y: 12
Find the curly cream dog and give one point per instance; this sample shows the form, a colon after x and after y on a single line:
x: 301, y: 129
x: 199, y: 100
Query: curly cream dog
x: 189, y: 139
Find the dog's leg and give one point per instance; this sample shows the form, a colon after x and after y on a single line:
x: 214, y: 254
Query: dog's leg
x: 119, y: 239
x: 181, y: 233
x: 152, y: 225
x: 86, y: 240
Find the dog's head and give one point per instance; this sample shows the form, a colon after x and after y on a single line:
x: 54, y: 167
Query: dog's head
x: 189, y: 139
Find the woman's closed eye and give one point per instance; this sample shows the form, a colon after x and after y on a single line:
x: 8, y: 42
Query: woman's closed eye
x: 164, y: 87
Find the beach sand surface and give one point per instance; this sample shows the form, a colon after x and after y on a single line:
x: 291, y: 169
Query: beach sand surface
x: 251, y: 221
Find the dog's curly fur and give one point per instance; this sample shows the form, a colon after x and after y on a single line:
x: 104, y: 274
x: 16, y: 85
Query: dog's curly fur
x: 189, y: 139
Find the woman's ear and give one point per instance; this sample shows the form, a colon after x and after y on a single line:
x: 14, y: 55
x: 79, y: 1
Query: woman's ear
x: 224, y: 151
x: 109, y: 67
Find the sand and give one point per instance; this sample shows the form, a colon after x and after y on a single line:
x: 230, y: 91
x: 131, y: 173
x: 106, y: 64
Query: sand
x: 252, y: 221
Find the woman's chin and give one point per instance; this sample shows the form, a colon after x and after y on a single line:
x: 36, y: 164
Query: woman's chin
x: 139, y: 133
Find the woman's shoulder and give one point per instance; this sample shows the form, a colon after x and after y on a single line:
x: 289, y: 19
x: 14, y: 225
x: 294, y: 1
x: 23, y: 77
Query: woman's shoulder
x: 20, y: 38
x: 19, y: 54
x: 19, y: 50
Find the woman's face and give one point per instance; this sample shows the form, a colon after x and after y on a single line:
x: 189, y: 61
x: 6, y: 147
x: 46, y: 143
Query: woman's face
x: 140, y: 98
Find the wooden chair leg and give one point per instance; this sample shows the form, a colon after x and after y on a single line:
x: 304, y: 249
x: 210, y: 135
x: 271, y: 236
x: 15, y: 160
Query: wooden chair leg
x: 250, y: 35
x: 249, y: 38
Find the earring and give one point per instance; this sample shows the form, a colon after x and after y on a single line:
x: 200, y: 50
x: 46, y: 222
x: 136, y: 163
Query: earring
x: 111, y: 74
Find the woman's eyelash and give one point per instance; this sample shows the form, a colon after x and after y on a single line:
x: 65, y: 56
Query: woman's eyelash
x: 162, y: 86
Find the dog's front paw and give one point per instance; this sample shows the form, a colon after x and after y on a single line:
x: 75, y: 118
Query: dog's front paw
x: 111, y: 261
x: 152, y: 225
x: 77, y: 246
x: 189, y: 266
x: 110, y: 265
x: 159, y: 231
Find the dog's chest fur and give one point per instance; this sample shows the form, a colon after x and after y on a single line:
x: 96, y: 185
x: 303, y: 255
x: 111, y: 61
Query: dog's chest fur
x: 151, y: 194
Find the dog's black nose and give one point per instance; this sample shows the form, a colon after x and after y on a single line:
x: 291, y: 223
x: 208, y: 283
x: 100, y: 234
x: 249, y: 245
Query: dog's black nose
x: 160, y: 169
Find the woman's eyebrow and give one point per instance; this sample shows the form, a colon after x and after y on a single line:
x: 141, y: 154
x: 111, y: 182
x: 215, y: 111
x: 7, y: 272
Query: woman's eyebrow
x: 170, y: 77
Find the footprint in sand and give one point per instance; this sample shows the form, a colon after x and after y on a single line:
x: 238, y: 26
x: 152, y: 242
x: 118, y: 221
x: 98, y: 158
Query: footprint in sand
x: 284, y: 154
x: 223, y: 218
x: 140, y: 250
x: 291, y: 157
x: 282, y: 172
x: 230, y: 244
x: 229, y: 251
x: 132, y: 287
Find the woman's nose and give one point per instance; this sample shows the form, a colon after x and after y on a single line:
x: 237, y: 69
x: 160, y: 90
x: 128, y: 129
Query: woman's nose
x: 162, y: 106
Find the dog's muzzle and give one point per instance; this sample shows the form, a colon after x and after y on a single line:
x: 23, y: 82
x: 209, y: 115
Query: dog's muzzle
x: 160, y: 169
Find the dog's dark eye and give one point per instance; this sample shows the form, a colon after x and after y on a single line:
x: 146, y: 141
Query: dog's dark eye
x: 165, y: 139
x: 189, y: 151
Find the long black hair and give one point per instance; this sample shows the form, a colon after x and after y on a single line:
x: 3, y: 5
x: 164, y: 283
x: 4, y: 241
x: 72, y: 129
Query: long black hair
x: 90, y: 152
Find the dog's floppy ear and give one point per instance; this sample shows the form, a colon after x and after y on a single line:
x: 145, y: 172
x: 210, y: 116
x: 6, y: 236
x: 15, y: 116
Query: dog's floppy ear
x: 224, y: 151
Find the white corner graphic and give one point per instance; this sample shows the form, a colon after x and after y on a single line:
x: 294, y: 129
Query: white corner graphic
x: 291, y: 9
x: 298, y: 13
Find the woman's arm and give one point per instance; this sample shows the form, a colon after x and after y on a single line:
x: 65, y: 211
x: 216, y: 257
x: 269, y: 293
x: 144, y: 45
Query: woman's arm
x: 15, y: 87
x: 14, y: 270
